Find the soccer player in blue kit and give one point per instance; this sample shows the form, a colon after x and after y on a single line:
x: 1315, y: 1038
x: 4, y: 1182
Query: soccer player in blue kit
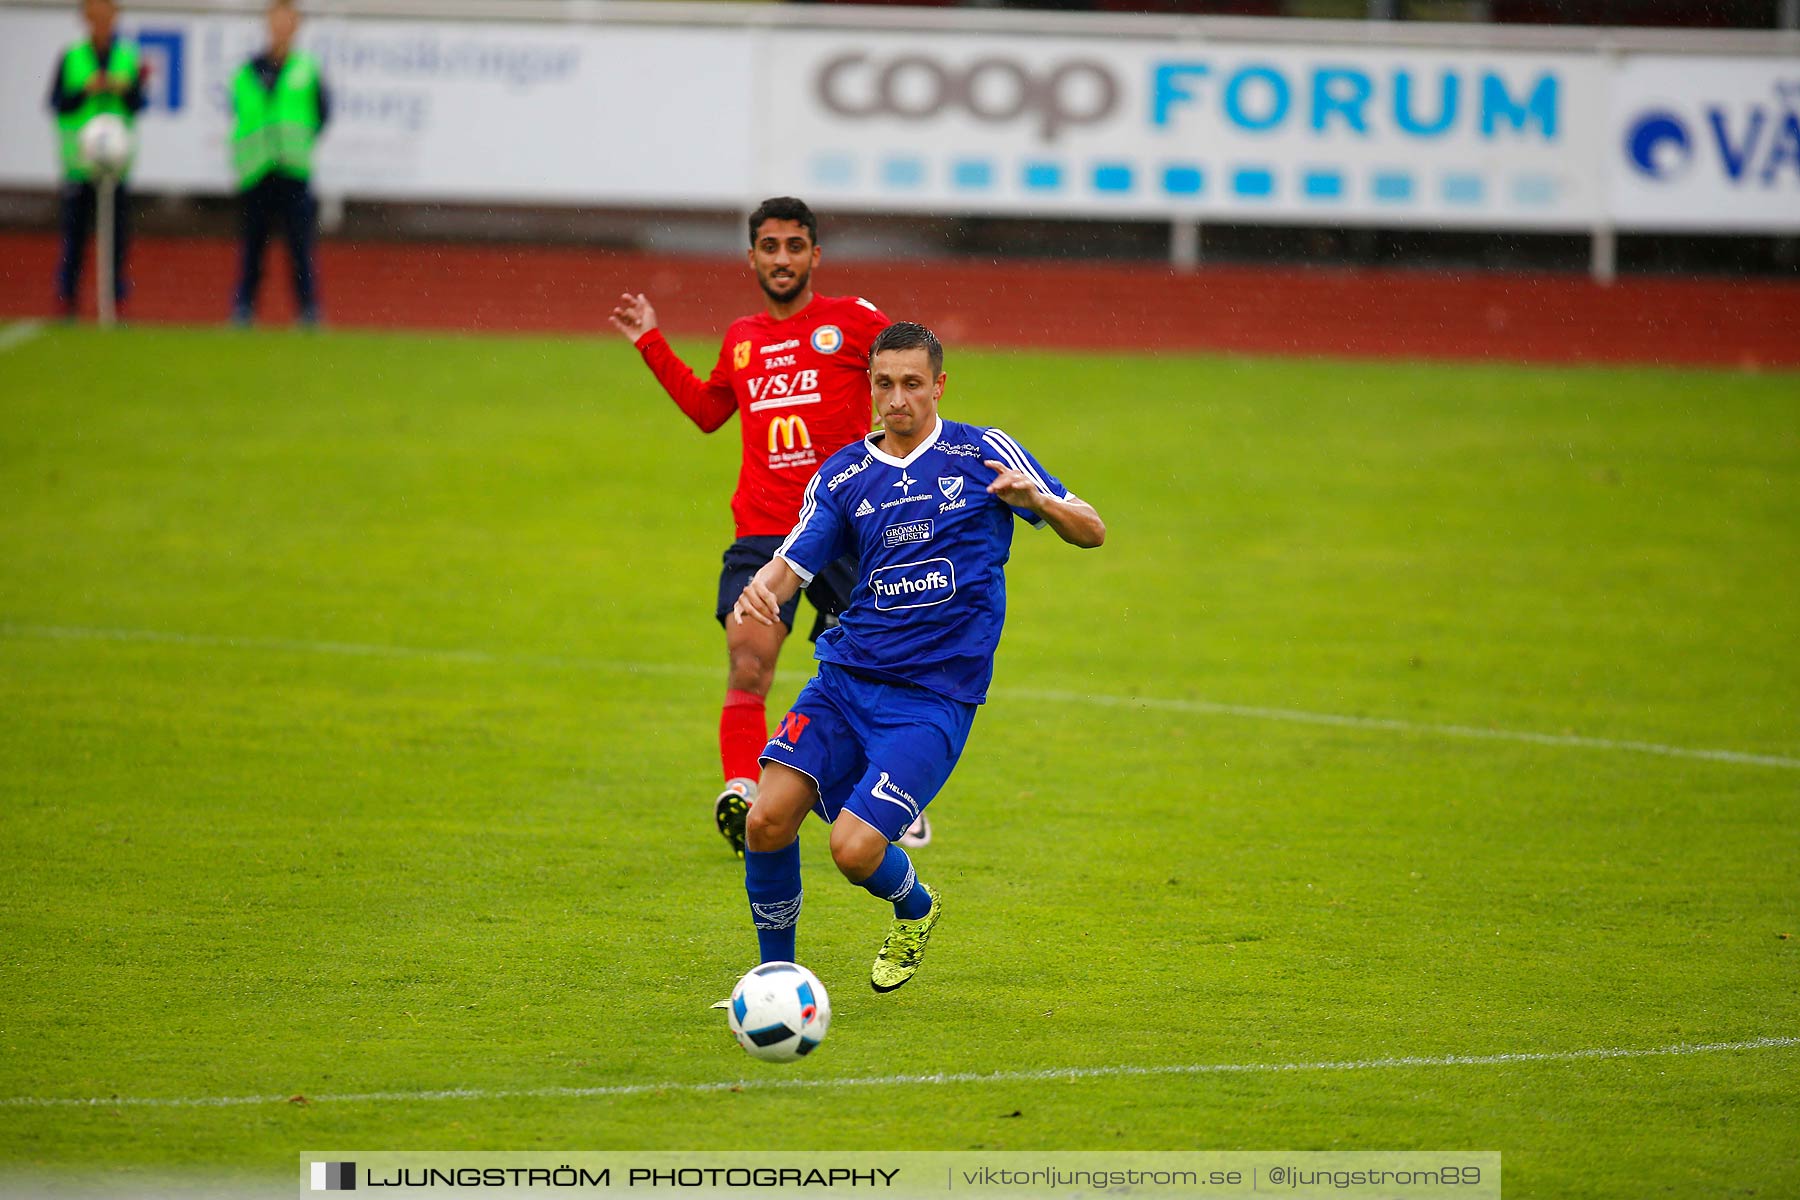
x: 927, y: 505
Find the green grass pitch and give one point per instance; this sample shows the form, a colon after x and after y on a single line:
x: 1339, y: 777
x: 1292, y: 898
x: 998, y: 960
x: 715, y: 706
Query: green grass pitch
x: 358, y: 737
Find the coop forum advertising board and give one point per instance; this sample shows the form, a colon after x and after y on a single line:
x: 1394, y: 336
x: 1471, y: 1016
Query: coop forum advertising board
x: 707, y: 117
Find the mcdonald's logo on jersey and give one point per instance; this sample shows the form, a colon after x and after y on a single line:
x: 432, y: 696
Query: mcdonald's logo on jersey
x: 740, y: 355
x: 790, y: 433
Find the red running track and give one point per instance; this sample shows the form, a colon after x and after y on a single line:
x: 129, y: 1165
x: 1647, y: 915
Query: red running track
x: 1326, y: 312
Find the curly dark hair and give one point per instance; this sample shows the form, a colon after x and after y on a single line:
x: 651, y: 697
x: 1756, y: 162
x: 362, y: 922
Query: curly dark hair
x: 784, y: 208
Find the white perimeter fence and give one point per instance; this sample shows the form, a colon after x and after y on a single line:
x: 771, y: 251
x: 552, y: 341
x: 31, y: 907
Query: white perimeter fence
x: 979, y: 112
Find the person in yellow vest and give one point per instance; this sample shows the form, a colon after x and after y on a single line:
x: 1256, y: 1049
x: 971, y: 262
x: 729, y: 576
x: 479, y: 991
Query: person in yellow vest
x: 100, y: 74
x: 281, y: 105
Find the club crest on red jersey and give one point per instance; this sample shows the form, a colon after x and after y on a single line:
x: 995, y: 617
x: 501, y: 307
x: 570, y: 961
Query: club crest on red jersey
x: 827, y: 339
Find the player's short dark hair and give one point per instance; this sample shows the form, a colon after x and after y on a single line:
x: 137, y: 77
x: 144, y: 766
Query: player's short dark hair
x: 784, y: 208
x: 910, y: 335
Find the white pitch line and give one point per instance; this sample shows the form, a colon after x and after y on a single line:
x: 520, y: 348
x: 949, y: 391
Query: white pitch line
x: 17, y: 334
x: 82, y: 633
x: 1396, y: 725
x: 1152, y: 703
x: 641, y: 1089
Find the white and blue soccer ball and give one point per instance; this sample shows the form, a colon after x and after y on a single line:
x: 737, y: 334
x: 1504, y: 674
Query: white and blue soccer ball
x: 105, y: 144
x: 779, y: 1012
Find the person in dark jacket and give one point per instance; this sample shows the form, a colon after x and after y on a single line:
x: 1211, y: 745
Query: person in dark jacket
x: 102, y: 73
x: 281, y: 104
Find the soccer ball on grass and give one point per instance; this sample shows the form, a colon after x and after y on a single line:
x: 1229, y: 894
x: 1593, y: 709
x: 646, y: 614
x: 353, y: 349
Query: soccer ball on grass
x: 779, y: 1012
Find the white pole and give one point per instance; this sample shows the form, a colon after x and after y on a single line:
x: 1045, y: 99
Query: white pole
x: 106, y: 185
x: 1603, y: 255
x: 1184, y: 245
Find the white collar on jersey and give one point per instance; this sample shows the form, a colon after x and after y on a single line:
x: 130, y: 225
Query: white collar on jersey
x: 930, y: 441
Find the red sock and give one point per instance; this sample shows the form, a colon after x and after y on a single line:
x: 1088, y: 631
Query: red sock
x: 743, y: 732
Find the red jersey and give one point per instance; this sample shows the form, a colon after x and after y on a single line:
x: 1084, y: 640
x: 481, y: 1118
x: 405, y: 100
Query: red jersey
x: 800, y: 388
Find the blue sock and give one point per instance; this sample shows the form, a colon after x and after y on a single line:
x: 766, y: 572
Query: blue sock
x: 772, y: 878
x: 894, y: 880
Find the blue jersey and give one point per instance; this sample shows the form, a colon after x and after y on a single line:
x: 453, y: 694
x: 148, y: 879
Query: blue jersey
x: 932, y: 545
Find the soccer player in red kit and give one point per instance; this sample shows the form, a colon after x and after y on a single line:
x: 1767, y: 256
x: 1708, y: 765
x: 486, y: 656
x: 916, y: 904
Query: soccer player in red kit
x: 797, y: 376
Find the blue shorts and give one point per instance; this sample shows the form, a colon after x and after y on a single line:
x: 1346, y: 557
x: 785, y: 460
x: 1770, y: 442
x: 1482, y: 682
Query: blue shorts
x: 880, y: 750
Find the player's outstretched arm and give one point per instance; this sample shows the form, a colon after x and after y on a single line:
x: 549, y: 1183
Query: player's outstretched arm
x: 633, y: 316
x: 708, y: 403
x: 767, y: 591
x: 1075, y: 521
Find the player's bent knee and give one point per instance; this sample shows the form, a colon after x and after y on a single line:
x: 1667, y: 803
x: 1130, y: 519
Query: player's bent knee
x: 783, y: 798
x: 856, y: 847
x: 751, y: 659
x: 765, y: 830
x: 750, y: 673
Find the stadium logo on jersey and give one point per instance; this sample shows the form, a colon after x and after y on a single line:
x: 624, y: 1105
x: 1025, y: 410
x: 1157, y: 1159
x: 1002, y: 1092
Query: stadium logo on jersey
x: 913, y: 585
x: 789, y: 432
x: 864, y: 509
x: 950, y: 485
x: 831, y: 485
x: 900, y: 535
x: 740, y: 355
x: 827, y: 339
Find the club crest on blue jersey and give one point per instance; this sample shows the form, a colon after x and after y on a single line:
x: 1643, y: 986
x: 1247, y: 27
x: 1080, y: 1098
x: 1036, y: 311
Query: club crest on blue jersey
x: 827, y: 339
x: 950, y: 485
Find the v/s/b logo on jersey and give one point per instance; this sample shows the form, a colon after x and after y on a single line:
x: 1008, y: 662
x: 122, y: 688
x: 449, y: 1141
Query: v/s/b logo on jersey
x: 783, y: 389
